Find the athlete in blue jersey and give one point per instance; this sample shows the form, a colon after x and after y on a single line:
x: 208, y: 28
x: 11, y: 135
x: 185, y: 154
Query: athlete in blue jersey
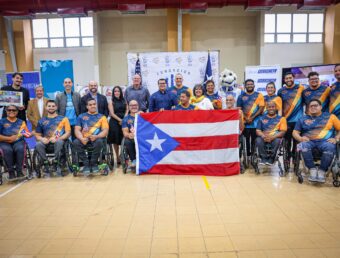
x: 91, y: 129
x: 318, y: 130
x: 179, y: 87
x: 12, y: 144
x: 271, y: 96
x: 334, y: 101
x: 184, y: 103
x: 52, y: 130
x: 292, y: 109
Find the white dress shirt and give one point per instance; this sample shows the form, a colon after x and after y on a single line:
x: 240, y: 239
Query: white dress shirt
x: 41, y: 106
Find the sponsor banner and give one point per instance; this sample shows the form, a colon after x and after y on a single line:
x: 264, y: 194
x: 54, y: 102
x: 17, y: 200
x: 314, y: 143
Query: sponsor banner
x: 262, y: 75
x: 156, y: 65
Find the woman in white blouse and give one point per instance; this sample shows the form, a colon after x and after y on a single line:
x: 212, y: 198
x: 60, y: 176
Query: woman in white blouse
x: 199, y: 100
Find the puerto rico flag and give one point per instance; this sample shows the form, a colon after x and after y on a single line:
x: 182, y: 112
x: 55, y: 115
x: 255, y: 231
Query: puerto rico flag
x: 25, y: 133
x: 198, y: 142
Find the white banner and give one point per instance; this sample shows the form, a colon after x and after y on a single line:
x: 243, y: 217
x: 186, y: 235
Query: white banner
x: 166, y: 65
x: 263, y: 75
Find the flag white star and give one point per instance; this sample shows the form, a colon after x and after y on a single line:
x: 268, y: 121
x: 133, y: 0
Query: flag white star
x: 156, y: 143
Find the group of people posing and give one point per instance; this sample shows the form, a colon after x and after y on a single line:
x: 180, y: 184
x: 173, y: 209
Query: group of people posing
x: 309, y: 116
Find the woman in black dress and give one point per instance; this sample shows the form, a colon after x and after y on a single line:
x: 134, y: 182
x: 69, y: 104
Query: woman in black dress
x: 117, y: 109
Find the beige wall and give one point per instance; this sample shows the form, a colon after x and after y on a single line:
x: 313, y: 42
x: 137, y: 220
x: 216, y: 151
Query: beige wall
x: 120, y: 34
x: 232, y: 31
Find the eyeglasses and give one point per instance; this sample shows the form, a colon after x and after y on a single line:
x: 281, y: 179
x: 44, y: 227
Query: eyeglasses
x: 133, y: 105
x: 313, y: 106
x: 12, y: 110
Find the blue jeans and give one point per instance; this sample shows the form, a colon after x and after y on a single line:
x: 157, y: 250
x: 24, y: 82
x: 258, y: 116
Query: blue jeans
x: 326, y: 149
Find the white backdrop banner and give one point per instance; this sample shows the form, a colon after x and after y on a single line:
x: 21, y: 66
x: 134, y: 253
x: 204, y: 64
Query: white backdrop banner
x: 263, y: 75
x: 156, y: 65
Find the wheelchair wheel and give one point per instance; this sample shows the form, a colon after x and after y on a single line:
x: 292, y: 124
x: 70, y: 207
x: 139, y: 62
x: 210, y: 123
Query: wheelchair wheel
x: 68, y: 155
x: 300, y: 179
x: 255, y: 162
x: 281, y: 171
x: 297, y: 164
x: 37, y: 164
x: 109, y: 156
x: 124, y: 157
x: 243, y: 154
x: 285, y: 156
x: 28, y: 166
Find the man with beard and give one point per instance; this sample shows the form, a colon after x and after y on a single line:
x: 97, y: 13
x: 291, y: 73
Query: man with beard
x: 292, y: 108
x: 179, y: 87
x: 102, y: 105
x: 334, y: 102
x: 52, y: 130
x: 252, y: 105
x: 16, y: 86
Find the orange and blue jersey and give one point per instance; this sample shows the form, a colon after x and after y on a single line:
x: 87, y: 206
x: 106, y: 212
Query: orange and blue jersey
x: 334, y: 100
x: 272, y: 125
x: 292, y: 105
x: 273, y: 98
x: 250, y: 104
x: 128, y: 122
x: 190, y: 107
x: 18, y: 127
x: 178, y: 91
x: 321, y: 93
x: 92, y: 124
x: 215, y: 98
x: 320, y: 127
x: 56, y: 126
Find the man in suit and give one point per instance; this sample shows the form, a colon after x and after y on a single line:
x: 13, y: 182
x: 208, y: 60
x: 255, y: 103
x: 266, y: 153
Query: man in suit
x: 36, y: 107
x: 68, y: 103
x: 102, y: 105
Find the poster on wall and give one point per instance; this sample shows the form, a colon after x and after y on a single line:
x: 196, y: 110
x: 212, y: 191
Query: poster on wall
x: 53, y: 73
x: 263, y: 75
x: 326, y: 74
x: 156, y: 65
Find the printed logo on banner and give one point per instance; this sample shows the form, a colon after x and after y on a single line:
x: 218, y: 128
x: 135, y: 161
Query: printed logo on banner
x: 145, y: 61
x: 202, y: 59
x: 212, y: 59
x: 133, y: 60
x: 167, y: 60
x: 267, y: 71
x: 266, y: 80
x: 179, y: 60
x: 155, y: 60
x: 189, y: 60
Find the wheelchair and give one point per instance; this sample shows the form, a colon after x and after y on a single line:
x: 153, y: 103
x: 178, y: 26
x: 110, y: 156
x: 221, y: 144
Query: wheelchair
x: 65, y: 159
x: 105, y: 162
x: 244, y: 162
x: 334, y: 168
x: 124, y: 157
x: 282, y: 151
x: 28, y: 168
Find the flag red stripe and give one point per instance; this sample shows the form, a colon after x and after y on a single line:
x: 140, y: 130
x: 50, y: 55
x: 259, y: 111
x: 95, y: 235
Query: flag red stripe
x: 207, y: 142
x: 225, y: 169
x: 189, y: 117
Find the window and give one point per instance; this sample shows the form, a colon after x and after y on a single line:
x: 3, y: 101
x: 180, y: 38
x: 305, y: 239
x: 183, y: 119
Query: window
x: 293, y: 28
x: 63, y: 32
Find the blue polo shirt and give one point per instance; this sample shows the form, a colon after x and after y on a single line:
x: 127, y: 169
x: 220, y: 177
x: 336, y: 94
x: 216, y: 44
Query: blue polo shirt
x: 160, y: 100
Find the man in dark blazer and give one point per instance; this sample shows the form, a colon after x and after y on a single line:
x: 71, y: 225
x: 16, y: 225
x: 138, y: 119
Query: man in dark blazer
x: 102, y: 105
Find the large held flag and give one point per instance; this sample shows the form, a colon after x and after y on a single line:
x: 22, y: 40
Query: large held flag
x: 208, y: 71
x: 199, y: 142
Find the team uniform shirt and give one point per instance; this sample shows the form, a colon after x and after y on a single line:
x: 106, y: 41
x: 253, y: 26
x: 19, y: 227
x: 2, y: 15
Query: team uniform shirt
x: 56, y: 126
x: 178, y: 92
x: 272, y: 125
x: 190, y: 107
x: 273, y: 98
x: 128, y: 122
x: 19, y: 128
x: 318, y: 127
x: 250, y: 104
x: 334, y: 100
x: 321, y: 93
x: 215, y: 99
x: 292, y: 105
x: 92, y: 124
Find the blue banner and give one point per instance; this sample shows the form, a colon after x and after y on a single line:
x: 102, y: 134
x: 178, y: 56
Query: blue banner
x: 53, y: 73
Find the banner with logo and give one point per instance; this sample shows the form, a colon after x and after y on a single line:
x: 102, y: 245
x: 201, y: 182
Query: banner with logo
x: 156, y: 65
x: 263, y: 75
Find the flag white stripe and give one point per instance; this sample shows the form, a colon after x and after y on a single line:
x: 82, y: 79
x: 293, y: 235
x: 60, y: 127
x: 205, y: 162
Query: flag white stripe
x: 197, y: 157
x: 200, y: 129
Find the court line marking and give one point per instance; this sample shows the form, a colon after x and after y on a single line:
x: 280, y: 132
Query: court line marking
x: 12, y: 189
x: 205, y: 180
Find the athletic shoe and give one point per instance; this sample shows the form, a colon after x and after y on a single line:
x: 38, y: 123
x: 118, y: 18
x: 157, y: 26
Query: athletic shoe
x: 321, y: 176
x: 95, y: 169
x: 313, y: 177
x: 86, y: 170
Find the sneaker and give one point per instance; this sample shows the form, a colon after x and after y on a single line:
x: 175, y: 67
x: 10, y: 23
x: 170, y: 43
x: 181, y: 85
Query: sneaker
x: 133, y: 164
x: 20, y: 175
x: 321, y: 176
x: 263, y: 162
x: 270, y: 162
x: 313, y: 177
x: 86, y: 170
x: 95, y: 169
x: 11, y: 176
x: 58, y: 171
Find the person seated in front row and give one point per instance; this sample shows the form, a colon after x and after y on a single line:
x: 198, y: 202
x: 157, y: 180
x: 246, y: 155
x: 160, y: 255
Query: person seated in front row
x: 317, y: 130
x: 184, y: 103
x: 52, y: 130
x: 200, y: 100
x: 91, y: 129
x: 129, y: 131
x: 12, y: 144
x: 270, y: 130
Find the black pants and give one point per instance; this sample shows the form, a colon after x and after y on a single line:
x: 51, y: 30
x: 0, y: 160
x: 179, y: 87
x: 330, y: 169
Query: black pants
x: 131, y: 149
x: 291, y: 148
x: 93, y: 147
x: 250, y: 135
x: 261, y: 145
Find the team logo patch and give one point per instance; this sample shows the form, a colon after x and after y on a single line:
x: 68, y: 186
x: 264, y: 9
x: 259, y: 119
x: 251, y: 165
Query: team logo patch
x: 308, y: 93
x: 265, y: 121
x: 309, y: 121
x: 245, y: 98
x: 46, y: 122
x: 86, y: 118
x: 7, y: 125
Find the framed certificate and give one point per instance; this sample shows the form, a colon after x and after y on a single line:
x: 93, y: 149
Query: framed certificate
x: 10, y: 98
